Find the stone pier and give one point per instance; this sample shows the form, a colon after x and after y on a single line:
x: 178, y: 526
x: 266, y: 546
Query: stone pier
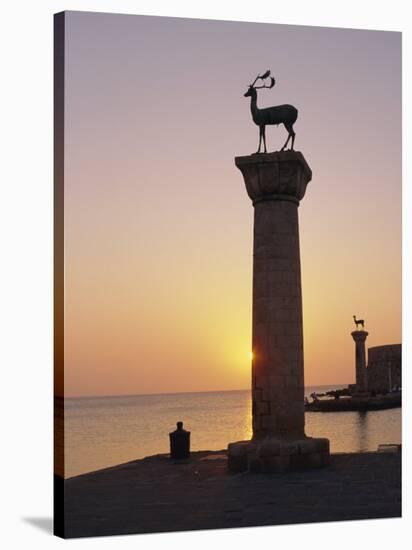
x: 360, y: 360
x: 276, y: 183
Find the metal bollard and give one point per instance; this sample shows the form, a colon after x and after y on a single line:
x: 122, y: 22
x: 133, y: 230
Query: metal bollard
x: 179, y: 442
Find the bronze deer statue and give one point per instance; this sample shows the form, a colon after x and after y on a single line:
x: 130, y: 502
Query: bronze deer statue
x: 358, y: 322
x: 280, y: 114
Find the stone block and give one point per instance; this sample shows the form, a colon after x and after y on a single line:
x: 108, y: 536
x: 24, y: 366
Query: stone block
x: 307, y: 446
x: 268, y: 422
x: 261, y: 381
x: 262, y: 408
x: 275, y: 323
x: 279, y: 259
x: 284, y: 227
x: 276, y: 327
x: 289, y: 276
x: 260, y: 289
x: 266, y: 394
x: 322, y: 445
x: 259, y: 277
x: 289, y: 448
x: 269, y: 447
x: 239, y: 448
x: 238, y: 456
x: 271, y: 265
x: 294, y: 329
x: 258, y: 395
x: 254, y: 465
x: 325, y: 458
x: 270, y: 455
x: 298, y: 462
x: 257, y: 423
x: 275, y: 394
x: 292, y: 381
x: 312, y: 460
x: 273, y: 288
x: 275, y: 464
x: 296, y: 393
x: 277, y: 381
x: 291, y: 301
x: 260, y: 315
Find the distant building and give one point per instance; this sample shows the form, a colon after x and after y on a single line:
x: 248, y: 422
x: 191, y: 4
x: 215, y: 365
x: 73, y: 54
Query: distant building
x: 384, y: 368
x: 380, y: 371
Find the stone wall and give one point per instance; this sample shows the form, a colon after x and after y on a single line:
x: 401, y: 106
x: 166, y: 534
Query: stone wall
x: 383, y: 360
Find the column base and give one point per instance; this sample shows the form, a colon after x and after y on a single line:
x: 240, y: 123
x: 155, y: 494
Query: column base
x: 271, y: 455
x: 360, y: 394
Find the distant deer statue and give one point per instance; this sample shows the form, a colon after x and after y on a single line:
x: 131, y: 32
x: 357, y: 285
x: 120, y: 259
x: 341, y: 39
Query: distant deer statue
x: 358, y: 322
x: 281, y: 114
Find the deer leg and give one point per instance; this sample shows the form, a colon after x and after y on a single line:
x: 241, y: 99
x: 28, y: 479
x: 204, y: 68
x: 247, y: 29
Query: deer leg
x: 260, y: 139
x: 289, y: 128
x: 264, y: 138
x: 286, y: 142
x: 293, y: 139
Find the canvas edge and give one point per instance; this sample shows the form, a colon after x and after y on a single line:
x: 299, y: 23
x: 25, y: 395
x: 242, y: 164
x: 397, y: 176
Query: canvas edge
x: 59, y: 24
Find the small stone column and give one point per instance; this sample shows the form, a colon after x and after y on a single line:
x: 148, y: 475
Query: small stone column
x: 360, y: 360
x: 276, y: 183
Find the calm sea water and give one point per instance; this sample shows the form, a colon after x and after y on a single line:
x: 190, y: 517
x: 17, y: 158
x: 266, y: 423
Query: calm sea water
x: 105, y: 431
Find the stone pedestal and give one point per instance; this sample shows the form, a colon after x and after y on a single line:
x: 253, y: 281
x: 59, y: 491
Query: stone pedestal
x: 360, y: 361
x: 276, y: 183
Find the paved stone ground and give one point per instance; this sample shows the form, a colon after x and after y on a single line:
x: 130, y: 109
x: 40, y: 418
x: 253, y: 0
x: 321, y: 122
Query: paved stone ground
x: 156, y: 494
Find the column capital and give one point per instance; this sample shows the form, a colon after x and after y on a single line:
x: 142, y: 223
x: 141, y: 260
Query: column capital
x: 359, y: 335
x: 283, y: 175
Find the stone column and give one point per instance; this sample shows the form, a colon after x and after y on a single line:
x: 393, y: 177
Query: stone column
x: 276, y: 183
x: 360, y: 360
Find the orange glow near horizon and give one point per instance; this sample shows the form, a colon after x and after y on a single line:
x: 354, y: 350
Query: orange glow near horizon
x: 158, y: 225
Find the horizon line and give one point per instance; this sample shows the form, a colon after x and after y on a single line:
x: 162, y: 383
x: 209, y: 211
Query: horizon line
x: 178, y: 393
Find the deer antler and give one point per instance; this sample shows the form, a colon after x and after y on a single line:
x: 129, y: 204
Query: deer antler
x: 264, y: 76
x: 272, y: 83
